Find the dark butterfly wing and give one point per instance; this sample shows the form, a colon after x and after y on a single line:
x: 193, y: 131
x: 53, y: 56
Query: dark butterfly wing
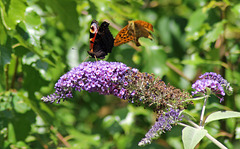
x: 93, y: 32
x: 103, y: 42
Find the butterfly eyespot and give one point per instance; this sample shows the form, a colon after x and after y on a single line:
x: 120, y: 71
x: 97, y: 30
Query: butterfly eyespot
x: 93, y: 28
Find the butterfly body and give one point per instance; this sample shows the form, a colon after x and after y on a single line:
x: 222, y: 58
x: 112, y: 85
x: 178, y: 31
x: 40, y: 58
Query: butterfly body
x: 101, y: 40
x: 133, y: 31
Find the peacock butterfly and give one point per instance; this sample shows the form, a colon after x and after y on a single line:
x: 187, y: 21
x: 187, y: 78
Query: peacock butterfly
x: 101, y: 40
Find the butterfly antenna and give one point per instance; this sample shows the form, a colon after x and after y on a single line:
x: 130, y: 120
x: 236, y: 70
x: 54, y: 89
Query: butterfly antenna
x: 86, y: 58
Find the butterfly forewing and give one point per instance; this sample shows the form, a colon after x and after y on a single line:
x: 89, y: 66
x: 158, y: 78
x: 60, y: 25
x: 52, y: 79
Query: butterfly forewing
x: 123, y: 37
x: 93, y: 33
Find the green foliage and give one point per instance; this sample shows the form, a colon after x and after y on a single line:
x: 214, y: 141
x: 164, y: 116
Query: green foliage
x: 192, y: 136
x: 40, y: 40
x: 221, y: 115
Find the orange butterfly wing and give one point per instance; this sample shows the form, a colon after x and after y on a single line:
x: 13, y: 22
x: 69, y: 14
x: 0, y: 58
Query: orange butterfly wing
x: 144, y: 24
x: 133, y: 31
x: 140, y: 29
x: 123, y: 37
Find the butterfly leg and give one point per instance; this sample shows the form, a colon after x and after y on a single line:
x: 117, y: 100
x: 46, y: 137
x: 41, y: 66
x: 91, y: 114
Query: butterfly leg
x: 86, y: 58
x: 137, y: 42
x: 95, y: 57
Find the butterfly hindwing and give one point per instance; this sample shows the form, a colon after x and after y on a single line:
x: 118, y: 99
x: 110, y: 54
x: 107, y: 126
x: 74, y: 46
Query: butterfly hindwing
x: 140, y: 29
x: 102, y: 41
x: 146, y: 25
x: 105, y: 37
x: 133, y: 31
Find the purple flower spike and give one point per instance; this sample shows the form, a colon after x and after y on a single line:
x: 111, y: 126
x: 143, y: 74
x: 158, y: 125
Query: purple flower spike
x: 214, y: 82
x: 100, y: 76
x: 119, y: 80
x: 164, y: 123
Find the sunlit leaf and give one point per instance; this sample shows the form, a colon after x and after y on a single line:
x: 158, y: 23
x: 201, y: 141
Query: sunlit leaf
x: 213, y: 35
x: 192, y: 136
x: 222, y: 115
x: 13, y: 12
x: 33, y: 23
x: 3, y: 34
x: 19, y: 105
x: 86, y: 140
x: 11, y: 133
x: 196, y: 21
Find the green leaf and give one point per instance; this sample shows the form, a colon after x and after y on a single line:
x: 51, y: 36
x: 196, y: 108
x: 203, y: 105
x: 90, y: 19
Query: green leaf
x: 19, y: 105
x: 214, y: 34
x: 33, y: 81
x: 13, y: 13
x: 22, y: 124
x: 192, y: 136
x: 33, y: 24
x: 5, y: 56
x: 66, y: 11
x: 222, y: 115
x: 3, y: 34
x: 187, y: 115
x: 196, y: 21
x: 11, y: 133
x: 40, y: 109
x: 20, y: 51
x: 85, y: 140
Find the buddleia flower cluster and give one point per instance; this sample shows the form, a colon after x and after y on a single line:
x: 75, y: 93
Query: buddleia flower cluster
x: 163, y: 123
x: 214, y: 83
x: 140, y: 89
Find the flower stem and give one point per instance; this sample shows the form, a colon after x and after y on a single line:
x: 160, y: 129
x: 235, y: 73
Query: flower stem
x: 203, y: 111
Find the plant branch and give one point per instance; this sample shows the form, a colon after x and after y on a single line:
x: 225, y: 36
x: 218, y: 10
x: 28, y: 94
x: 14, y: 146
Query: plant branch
x: 175, y: 69
x: 7, y: 77
x: 203, y: 111
x: 60, y: 137
x: 15, y: 73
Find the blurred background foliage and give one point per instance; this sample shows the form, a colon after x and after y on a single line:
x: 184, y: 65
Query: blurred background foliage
x: 40, y: 40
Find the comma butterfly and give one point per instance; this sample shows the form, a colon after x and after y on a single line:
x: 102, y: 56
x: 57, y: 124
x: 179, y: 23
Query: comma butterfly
x: 133, y: 31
